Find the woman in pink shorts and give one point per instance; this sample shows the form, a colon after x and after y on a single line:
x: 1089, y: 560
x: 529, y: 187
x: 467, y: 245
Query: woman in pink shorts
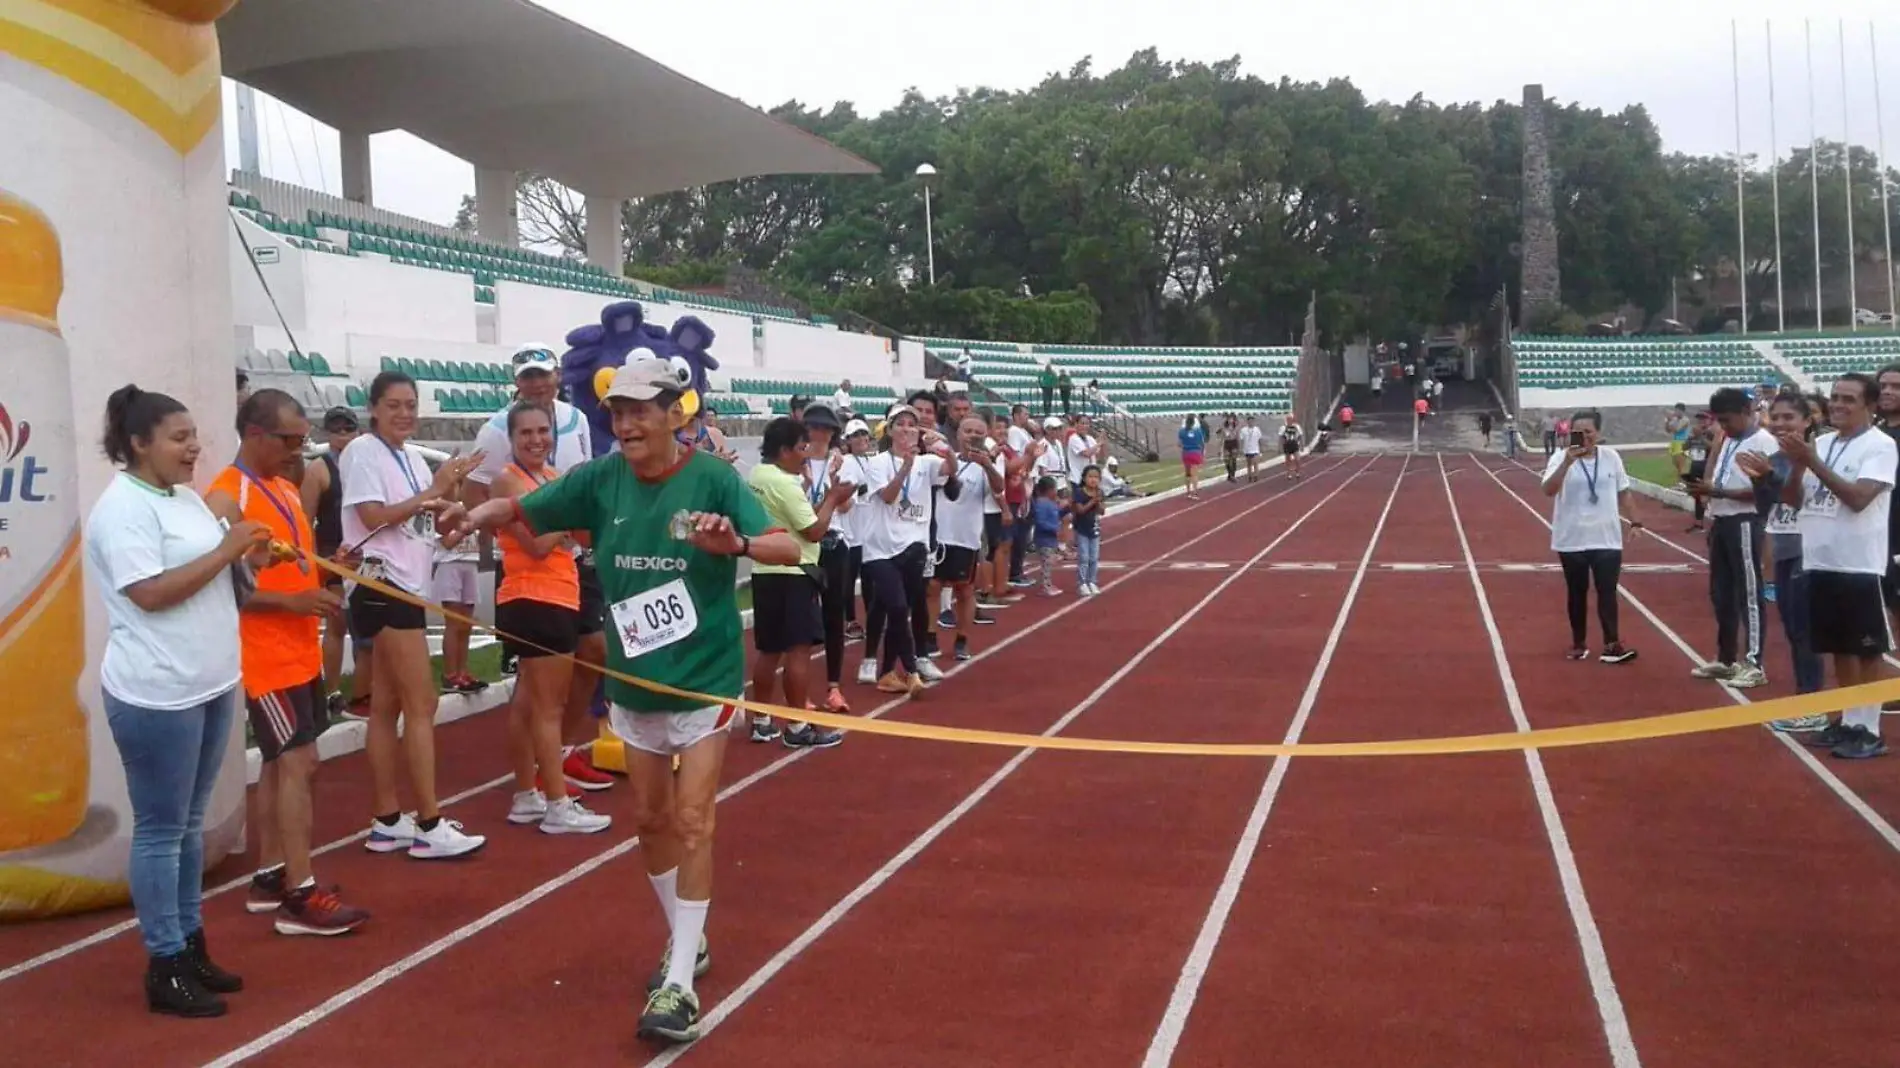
x: 1193, y: 438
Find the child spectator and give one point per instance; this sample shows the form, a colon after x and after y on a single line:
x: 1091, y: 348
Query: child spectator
x: 1047, y: 514
x: 1086, y: 513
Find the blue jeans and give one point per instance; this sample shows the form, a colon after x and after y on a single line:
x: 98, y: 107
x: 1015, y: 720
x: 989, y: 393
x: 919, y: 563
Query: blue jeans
x: 1791, y: 600
x: 1088, y: 557
x: 171, y: 763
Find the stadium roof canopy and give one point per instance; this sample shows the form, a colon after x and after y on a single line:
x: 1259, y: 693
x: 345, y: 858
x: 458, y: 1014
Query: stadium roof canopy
x: 510, y: 86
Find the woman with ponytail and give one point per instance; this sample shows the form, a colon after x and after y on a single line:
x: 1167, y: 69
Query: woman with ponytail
x: 170, y: 673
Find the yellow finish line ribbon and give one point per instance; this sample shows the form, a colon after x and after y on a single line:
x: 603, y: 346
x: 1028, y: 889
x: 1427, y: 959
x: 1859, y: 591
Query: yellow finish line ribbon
x: 1672, y: 725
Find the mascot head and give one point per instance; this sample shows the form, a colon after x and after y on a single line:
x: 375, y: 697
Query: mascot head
x: 595, y: 351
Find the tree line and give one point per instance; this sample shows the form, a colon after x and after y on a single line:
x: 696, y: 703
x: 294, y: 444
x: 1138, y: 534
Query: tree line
x: 1187, y: 203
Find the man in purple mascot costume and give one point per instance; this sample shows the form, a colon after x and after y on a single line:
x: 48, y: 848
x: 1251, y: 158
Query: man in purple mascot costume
x: 594, y: 352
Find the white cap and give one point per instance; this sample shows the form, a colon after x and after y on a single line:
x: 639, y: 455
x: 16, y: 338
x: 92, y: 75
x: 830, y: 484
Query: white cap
x: 856, y: 426
x: 535, y: 358
x: 647, y: 379
x: 1054, y: 422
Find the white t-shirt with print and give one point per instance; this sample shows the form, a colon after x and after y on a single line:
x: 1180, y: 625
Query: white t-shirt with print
x: 857, y: 469
x: 1081, y: 454
x: 1725, y: 473
x: 1578, y: 523
x: 960, y: 522
x: 1834, y: 537
x: 887, y: 529
x: 373, y: 474
x: 181, y: 656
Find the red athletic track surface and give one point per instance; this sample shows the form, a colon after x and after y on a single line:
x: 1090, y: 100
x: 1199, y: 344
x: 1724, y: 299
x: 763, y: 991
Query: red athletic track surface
x: 893, y: 902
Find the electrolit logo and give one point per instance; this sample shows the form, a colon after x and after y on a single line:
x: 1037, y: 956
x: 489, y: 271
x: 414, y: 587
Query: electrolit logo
x: 19, y: 478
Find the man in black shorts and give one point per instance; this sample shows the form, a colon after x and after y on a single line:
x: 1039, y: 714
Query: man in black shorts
x: 1843, y: 482
x: 322, y: 493
x: 974, y: 480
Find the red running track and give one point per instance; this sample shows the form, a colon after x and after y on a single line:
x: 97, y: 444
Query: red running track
x: 1691, y: 902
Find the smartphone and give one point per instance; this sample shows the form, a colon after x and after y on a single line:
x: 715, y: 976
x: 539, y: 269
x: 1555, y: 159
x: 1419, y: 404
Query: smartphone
x: 1576, y: 439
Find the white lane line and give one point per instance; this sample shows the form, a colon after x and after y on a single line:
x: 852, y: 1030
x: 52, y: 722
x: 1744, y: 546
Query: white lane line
x: 1187, y: 985
x: 1596, y: 959
x: 345, y: 998
x: 757, y: 980
x: 1821, y: 771
x: 106, y: 934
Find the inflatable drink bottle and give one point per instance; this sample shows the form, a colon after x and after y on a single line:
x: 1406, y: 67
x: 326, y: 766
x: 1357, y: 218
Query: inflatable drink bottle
x: 43, y: 732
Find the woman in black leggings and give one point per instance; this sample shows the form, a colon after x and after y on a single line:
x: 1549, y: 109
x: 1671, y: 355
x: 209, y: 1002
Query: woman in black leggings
x: 823, y: 469
x: 1591, y: 489
x: 895, y: 532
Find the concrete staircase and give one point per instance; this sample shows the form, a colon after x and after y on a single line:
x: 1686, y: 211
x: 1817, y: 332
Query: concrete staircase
x: 1784, y: 365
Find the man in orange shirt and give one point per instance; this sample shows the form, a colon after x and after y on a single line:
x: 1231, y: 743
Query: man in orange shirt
x: 280, y: 634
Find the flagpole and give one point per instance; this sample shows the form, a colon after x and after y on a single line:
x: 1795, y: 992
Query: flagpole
x: 1847, y: 175
x: 1774, y: 174
x: 1741, y: 213
x: 1880, y: 141
x: 1814, y: 170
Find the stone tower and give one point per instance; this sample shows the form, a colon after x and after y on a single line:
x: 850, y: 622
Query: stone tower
x: 1540, y: 284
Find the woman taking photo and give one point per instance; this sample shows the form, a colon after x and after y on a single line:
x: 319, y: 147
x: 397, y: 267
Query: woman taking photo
x: 389, y: 505
x: 896, y: 534
x: 170, y: 674
x: 539, y: 600
x: 1586, y: 532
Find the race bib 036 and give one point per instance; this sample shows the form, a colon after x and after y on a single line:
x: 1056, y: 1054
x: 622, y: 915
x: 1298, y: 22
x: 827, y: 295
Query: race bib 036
x: 655, y: 619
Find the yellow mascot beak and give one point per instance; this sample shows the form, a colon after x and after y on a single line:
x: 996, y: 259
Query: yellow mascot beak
x: 689, y: 405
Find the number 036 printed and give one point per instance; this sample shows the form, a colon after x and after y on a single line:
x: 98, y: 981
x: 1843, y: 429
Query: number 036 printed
x: 655, y: 619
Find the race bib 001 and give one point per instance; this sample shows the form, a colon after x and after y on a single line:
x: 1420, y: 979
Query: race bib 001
x: 655, y: 619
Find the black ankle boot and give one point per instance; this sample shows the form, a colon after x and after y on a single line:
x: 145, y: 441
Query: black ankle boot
x: 214, y: 978
x: 172, y: 988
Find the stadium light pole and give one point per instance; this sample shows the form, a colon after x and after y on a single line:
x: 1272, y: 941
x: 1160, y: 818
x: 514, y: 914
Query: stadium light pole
x: 1814, y: 169
x: 1880, y: 144
x: 1741, y: 204
x: 926, y: 174
x: 1774, y: 177
x: 1847, y: 175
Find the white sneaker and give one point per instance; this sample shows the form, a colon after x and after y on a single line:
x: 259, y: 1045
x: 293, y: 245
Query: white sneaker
x: 928, y: 671
x: 867, y: 672
x: 1713, y: 670
x: 445, y: 841
x: 391, y: 839
x: 569, y: 816
x: 1748, y: 676
x: 529, y: 807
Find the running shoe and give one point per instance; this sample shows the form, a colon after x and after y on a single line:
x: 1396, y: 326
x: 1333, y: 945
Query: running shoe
x: 811, y: 736
x: 266, y: 892
x: 764, y: 729
x: 317, y: 910
x: 867, y: 672
x: 962, y: 649
x: 1577, y: 652
x: 1021, y: 583
x: 984, y: 618
x: 1747, y: 677
x: 1827, y: 737
x: 529, y: 806
x: 671, y: 1015
x: 854, y: 631
x: 357, y: 710
x: 947, y: 620
x: 444, y: 841
x: 702, y: 963
x: 338, y: 708
x: 990, y: 600
x: 463, y: 683
x: 1860, y: 744
x: 1800, y: 724
x: 582, y: 774
x: 569, y: 816
x: 835, y: 702
x: 929, y: 671
x: 391, y: 837
x: 1714, y: 671
x: 1617, y: 653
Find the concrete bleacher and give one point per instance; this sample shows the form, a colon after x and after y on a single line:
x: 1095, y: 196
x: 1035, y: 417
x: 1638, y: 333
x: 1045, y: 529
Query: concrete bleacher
x: 1147, y: 382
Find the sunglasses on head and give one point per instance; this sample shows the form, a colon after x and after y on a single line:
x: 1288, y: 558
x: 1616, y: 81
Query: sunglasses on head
x: 533, y: 356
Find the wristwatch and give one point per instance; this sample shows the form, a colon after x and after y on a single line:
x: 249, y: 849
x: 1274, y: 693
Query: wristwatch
x: 745, y: 545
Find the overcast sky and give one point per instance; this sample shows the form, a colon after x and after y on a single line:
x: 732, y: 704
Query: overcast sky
x: 1671, y: 55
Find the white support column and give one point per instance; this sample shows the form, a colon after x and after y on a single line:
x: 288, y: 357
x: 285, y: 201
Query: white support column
x: 247, y: 129
x: 497, y: 217
x: 358, y: 182
x: 603, y: 234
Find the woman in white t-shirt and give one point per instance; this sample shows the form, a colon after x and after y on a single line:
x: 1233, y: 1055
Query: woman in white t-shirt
x: 389, y: 503
x: 170, y: 673
x: 1586, y: 531
x: 895, y: 531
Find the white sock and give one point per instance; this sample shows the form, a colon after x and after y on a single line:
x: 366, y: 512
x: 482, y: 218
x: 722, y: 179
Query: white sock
x: 1867, y: 716
x: 666, y: 887
x: 689, y: 924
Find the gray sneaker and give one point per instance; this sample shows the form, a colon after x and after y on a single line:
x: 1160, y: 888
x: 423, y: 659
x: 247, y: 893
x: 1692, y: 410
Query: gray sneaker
x: 701, y: 965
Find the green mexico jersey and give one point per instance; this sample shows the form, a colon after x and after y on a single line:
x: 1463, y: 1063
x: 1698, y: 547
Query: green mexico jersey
x: 672, y: 611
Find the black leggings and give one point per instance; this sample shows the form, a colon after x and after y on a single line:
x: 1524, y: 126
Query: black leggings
x: 835, y: 597
x: 853, y: 565
x: 1599, y: 567
x: 899, y: 598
